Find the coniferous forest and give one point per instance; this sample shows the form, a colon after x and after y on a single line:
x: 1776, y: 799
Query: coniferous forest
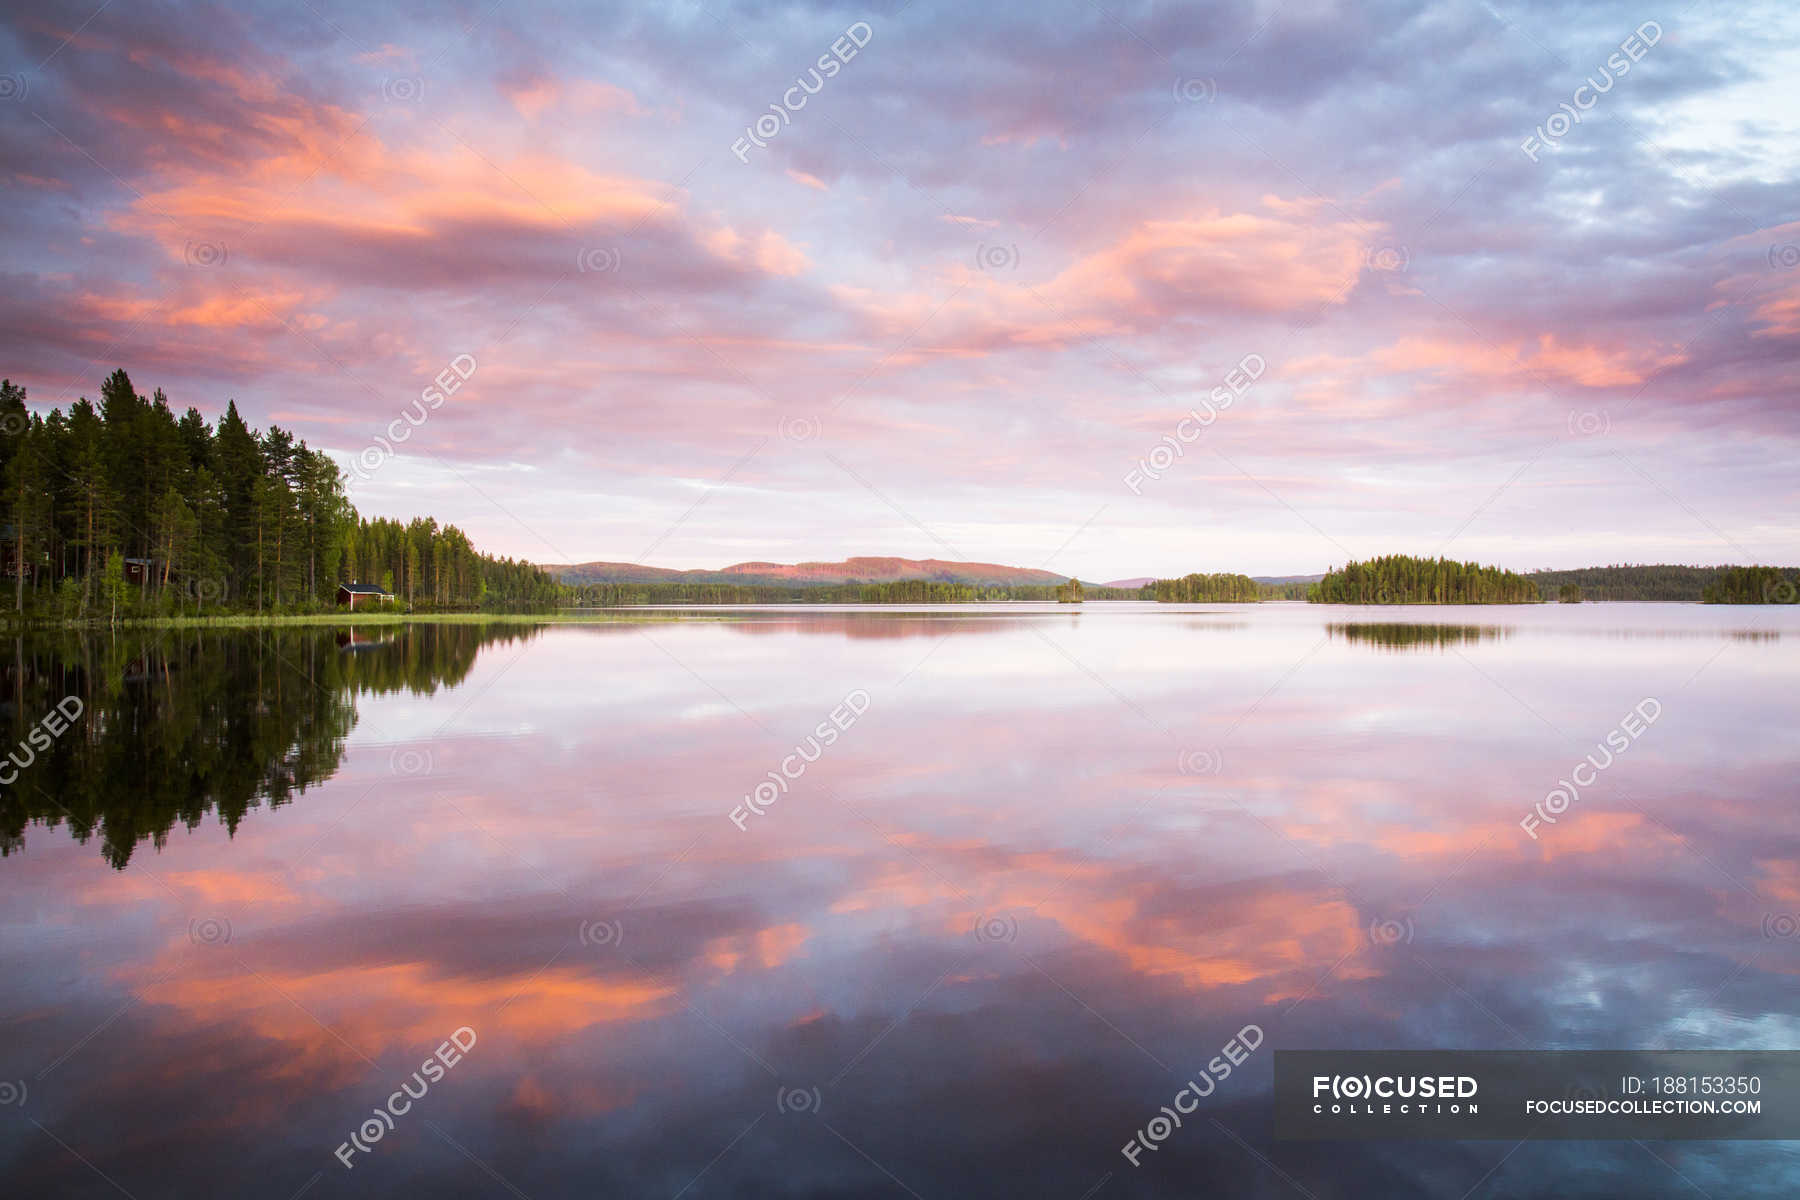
x: 1403, y: 579
x: 1645, y: 581
x: 1207, y: 589
x: 1754, y: 585
x: 124, y: 509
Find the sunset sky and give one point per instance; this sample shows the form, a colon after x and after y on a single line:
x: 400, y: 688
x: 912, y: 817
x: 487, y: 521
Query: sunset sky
x: 955, y: 302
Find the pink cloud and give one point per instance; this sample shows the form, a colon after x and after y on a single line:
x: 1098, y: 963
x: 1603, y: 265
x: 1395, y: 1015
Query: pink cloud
x: 1588, y: 364
x: 1282, y: 261
x: 538, y: 93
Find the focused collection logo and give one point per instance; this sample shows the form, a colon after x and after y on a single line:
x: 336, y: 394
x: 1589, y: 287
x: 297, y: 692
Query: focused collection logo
x: 1395, y: 1095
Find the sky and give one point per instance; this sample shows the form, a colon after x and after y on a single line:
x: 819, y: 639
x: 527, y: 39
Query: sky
x: 1115, y: 291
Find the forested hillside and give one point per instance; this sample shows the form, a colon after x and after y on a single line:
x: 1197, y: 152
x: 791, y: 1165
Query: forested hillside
x: 1658, y: 581
x: 125, y: 509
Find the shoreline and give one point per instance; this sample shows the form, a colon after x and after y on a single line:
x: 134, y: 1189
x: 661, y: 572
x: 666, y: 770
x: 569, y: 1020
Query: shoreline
x: 300, y: 620
x: 675, y: 612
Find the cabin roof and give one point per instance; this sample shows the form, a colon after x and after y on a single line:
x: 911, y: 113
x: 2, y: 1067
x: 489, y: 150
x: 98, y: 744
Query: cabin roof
x: 361, y: 589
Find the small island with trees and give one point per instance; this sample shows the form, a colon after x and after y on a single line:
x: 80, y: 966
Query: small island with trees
x: 1407, y: 579
x: 1403, y: 579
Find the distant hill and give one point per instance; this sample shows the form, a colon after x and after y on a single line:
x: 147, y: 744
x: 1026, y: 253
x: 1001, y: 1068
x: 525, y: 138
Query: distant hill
x: 1136, y: 581
x: 851, y: 570
x: 1287, y: 578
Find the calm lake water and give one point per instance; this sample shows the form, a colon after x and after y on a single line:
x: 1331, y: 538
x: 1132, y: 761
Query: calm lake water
x: 1048, y: 864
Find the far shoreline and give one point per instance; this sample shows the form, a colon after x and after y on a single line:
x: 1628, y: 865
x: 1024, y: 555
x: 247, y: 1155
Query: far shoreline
x: 679, y: 611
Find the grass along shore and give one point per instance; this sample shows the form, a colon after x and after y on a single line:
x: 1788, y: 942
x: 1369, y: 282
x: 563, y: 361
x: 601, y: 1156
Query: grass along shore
x: 266, y: 620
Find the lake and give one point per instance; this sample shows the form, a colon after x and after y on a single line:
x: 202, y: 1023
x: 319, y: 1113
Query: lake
x: 939, y: 902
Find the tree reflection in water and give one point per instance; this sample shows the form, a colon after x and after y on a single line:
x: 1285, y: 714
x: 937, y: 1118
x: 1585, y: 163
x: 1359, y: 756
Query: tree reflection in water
x: 177, y: 723
x: 1400, y: 635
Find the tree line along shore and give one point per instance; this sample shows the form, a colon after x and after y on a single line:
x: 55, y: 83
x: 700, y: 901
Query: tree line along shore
x: 1391, y: 579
